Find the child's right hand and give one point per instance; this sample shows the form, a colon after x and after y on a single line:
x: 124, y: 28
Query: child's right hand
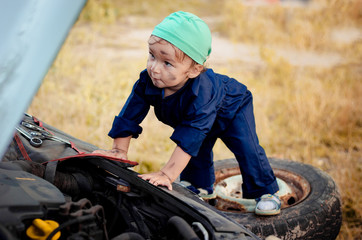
x: 158, y: 179
x: 116, y: 153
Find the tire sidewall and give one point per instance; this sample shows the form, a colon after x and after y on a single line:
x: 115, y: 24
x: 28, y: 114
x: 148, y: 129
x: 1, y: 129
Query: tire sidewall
x: 318, y: 216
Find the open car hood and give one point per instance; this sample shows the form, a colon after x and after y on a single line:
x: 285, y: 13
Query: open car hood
x: 33, y: 32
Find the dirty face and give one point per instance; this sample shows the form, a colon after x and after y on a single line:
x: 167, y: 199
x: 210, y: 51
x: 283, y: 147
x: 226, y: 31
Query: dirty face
x: 166, y: 69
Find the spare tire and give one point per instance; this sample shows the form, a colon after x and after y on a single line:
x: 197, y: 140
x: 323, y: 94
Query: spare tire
x: 311, y: 211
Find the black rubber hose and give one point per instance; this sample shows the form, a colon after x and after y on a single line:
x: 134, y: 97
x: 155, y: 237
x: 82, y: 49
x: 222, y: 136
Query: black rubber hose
x: 179, y: 229
x: 129, y: 236
x: 68, y: 223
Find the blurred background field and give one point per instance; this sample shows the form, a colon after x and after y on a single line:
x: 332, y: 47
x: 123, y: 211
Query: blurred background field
x: 302, y: 61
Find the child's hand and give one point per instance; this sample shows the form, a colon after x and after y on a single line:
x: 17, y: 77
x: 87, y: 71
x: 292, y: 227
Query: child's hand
x: 116, y: 153
x: 158, y: 179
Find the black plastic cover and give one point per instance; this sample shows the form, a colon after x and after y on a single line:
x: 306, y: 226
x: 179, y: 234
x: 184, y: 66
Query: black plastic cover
x: 25, y: 196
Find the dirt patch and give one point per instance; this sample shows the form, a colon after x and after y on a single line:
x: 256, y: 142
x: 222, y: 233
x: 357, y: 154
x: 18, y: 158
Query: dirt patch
x: 122, y: 41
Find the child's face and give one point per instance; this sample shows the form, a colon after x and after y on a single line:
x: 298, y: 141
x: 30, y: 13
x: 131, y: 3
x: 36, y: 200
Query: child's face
x: 165, y: 69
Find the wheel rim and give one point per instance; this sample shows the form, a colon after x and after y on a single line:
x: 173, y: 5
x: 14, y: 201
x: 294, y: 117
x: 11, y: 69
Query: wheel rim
x: 293, y: 189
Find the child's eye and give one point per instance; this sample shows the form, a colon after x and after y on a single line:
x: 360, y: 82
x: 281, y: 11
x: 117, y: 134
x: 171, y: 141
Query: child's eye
x: 151, y: 56
x: 168, y: 64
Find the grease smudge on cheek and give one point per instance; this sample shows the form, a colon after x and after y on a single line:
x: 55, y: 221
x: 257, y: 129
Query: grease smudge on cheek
x: 171, y: 77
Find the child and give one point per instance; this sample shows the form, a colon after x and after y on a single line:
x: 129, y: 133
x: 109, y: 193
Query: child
x: 201, y: 106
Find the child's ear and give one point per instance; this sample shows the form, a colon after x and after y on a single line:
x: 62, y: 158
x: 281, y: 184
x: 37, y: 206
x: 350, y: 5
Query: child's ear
x: 195, y: 70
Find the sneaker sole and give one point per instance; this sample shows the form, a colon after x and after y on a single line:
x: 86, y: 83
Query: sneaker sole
x: 267, y: 213
x: 208, y: 197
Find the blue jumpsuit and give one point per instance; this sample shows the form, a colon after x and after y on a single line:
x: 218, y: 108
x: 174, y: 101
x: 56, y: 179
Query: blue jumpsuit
x: 207, y: 107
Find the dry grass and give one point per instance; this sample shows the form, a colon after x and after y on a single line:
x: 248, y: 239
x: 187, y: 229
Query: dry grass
x: 305, y: 112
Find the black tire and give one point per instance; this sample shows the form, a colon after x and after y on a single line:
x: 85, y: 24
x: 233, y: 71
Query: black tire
x: 317, y: 216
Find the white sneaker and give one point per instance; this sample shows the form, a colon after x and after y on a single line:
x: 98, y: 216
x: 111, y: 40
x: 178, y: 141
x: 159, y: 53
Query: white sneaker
x: 268, y: 205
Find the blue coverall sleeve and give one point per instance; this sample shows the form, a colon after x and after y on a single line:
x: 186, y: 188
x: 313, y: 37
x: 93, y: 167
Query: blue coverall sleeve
x: 198, y: 120
x: 132, y: 114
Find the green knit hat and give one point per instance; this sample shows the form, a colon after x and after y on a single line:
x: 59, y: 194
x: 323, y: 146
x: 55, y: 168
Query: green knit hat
x: 188, y: 33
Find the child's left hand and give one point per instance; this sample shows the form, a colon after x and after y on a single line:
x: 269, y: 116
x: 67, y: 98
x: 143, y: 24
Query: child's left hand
x: 157, y: 179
